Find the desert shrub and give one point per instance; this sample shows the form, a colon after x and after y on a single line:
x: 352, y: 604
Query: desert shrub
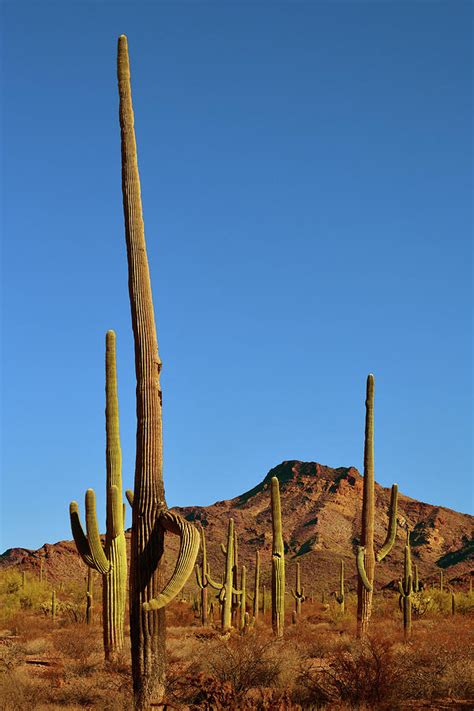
x: 358, y: 673
x: 78, y: 644
x: 15, y: 597
x: 245, y: 662
x: 11, y: 655
x: 16, y: 691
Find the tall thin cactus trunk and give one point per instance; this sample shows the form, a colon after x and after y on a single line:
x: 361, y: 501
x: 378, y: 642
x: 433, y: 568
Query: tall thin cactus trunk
x: 256, y: 587
x: 150, y: 515
x: 278, y: 563
x: 365, y: 553
x: 110, y: 561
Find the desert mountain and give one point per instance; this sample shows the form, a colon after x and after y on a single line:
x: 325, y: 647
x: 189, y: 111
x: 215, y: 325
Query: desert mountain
x: 321, y: 509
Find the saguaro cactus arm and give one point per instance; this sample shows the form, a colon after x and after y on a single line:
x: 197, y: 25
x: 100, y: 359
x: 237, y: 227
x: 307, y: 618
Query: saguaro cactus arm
x: 80, y: 538
x: 188, y: 550
x: 89, y: 546
x: 392, y: 527
x: 361, y: 568
x: 100, y: 560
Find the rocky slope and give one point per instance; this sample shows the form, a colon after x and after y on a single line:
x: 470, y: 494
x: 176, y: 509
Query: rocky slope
x: 321, y: 521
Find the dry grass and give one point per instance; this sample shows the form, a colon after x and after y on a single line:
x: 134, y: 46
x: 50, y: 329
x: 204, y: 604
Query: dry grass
x: 318, y: 664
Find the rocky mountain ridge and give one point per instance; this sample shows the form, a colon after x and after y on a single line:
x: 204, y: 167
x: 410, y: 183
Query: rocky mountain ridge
x: 321, y: 509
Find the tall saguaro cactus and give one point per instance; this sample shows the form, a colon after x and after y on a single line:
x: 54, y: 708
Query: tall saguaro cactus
x: 278, y: 563
x: 150, y: 515
x: 298, y: 592
x: 340, y: 598
x: 202, y: 578
x: 366, y: 555
x: 110, y: 561
x: 256, y: 586
x: 227, y: 591
x: 405, y: 588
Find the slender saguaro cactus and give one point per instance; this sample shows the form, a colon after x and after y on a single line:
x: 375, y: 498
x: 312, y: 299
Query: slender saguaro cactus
x: 340, y: 599
x: 226, y: 588
x: 365, y: 552
x: 202, y: 578
x: 111, y: 562
x: 89, y: 596
x: 53, y: 605
x: 298, y: 592
x: 150, y: 515
x: 243, y: 596
x: 256, y: 586
x: 278, y: 563
x: 405, y: 588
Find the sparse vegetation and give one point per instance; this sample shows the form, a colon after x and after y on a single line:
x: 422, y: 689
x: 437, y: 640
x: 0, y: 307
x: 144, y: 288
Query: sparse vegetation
x: 319, y: 663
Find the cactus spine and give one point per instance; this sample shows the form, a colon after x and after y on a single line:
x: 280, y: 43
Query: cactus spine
x: 298, y: 592
x: 111, y: 562
x: 150, y: 516
x: 365, y: 553
x: 256, y: 587
x: 278, y: 563
x: 405, y: 588
x: 340, y: 599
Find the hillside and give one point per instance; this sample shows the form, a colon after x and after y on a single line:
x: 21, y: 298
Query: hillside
x: 321, y: 521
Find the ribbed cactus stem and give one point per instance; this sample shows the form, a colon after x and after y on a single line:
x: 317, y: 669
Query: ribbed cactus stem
x: 110, y: 560
x: 202, y: 579
x: 243, y: 596
x: 365, y: 552
x: 364, y: 590
x: 228, y: 579
x: 226, y: 588
x: 405, y: 588
x: 453, y: 603
x: 53, y: 605
x: 256, y: 586
x: 298, y: 593
x: 294, y: 617
x: 149, y: 512
x: 340, y: 598
x: 89, y: 596
x: 278, y: 562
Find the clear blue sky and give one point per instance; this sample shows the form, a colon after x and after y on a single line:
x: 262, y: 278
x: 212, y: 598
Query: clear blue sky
x: 306, y: 178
